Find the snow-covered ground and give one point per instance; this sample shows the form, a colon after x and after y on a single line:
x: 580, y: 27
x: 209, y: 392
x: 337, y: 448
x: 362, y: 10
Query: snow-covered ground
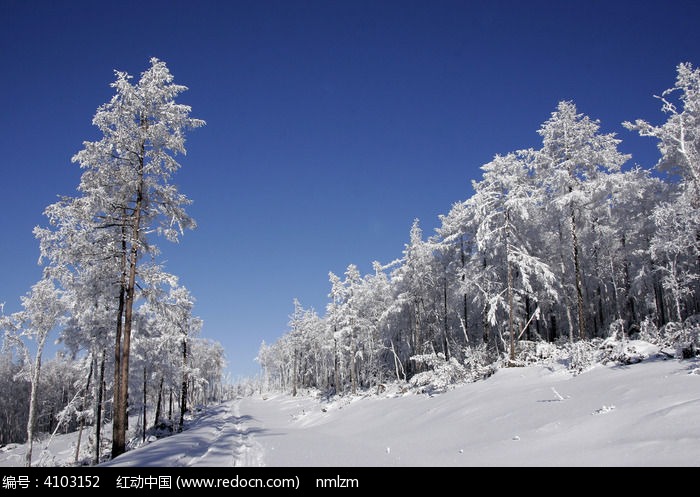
x: 647, y: 414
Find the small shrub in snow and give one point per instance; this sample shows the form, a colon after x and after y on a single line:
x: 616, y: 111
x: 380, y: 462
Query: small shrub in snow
x: 671, y: 334
x: 546, y: 350
x: 649, y: 332
x: 526, y: 353
x: 617, y: 330
x: 479, y: 362
x: 690, y: 345
x: 684, y: 337
x: 442, y: 374
x: 536, y: 352
x: 621, y: 352
x: 582, y: 355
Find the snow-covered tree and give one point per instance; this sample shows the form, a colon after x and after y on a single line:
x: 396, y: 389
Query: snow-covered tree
x: 679, y: 136
x: 14, y: 396
x: 126, y: 194
x: 456, y: 242
x: 504, y: 201
x: 376, y: 300
x: 346, y: 319
x: 622, y: 245
x: 675, y: 246
x: 42, y: 310
x: 418, y: 293
x: 209, y: 359
x: 296, y: 335
x: 570, y: 168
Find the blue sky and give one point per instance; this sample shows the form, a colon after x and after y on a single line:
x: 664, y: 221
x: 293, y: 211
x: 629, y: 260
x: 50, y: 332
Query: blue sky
x: 331, y: 125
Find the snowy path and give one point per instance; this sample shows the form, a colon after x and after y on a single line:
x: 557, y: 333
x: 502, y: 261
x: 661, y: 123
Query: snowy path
x: 233, y: 441
x: 220, y: 437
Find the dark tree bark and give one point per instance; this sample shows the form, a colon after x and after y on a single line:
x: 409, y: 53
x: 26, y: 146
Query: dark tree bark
x: 183, y: 394
x: 159, y: 403
x: 121, y: 403
x: 98, y: 408
x: 579, y: 282
x: 143, y: 429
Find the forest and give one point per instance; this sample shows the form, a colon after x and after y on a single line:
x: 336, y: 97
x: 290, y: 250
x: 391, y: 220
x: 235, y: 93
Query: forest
x: 563, y: 246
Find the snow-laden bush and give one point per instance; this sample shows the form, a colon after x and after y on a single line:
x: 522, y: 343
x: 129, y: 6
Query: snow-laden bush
x: 649, y: 332
x: 525, y: 353
x: 616, y: 331
x: 683, y: 337
x: 582, y: 355
x: 546, y: 351
x: 442, y: 373
x: 480, y: 362
x: 622, y: 351
x: 618, y: 348
x: 539, y: 352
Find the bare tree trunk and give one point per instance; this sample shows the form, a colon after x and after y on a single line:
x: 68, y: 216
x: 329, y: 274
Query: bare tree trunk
x: 397, y: 363
x: 98, y: 409
x: 295, y: 373
x: 353, y: 371
x: 119, y: 445
x: 183, y: 395
x: 511, y: 329
x: 32, y: 401
x: 353, y: 361
x: 486, y: 336
x: 464, y: 294
x: 119, y: 440
x: 509, y: 271
x: 143, y: 429
x: 158, y: 404
x: 579, y: 283
x: 528, y: 311
x: 418, y: 332
x: 445, y: 345
x: 567, y: 310
x: 82, y: 418
x: 118, y: 430
x: 336, y: 365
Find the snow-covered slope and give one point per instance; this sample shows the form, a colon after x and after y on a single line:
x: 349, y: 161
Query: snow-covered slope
x: 646, y: 414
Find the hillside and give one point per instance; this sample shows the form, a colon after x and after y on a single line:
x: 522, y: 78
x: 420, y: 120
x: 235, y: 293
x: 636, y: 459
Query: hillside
x: 646, y: 414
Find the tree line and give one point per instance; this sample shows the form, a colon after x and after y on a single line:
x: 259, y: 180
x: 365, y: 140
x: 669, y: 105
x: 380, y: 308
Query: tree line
x: 127, y: 326
x: 559, y: 244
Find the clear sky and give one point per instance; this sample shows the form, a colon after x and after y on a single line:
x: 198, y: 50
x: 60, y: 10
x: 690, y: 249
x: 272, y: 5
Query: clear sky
x: 331, y: 125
